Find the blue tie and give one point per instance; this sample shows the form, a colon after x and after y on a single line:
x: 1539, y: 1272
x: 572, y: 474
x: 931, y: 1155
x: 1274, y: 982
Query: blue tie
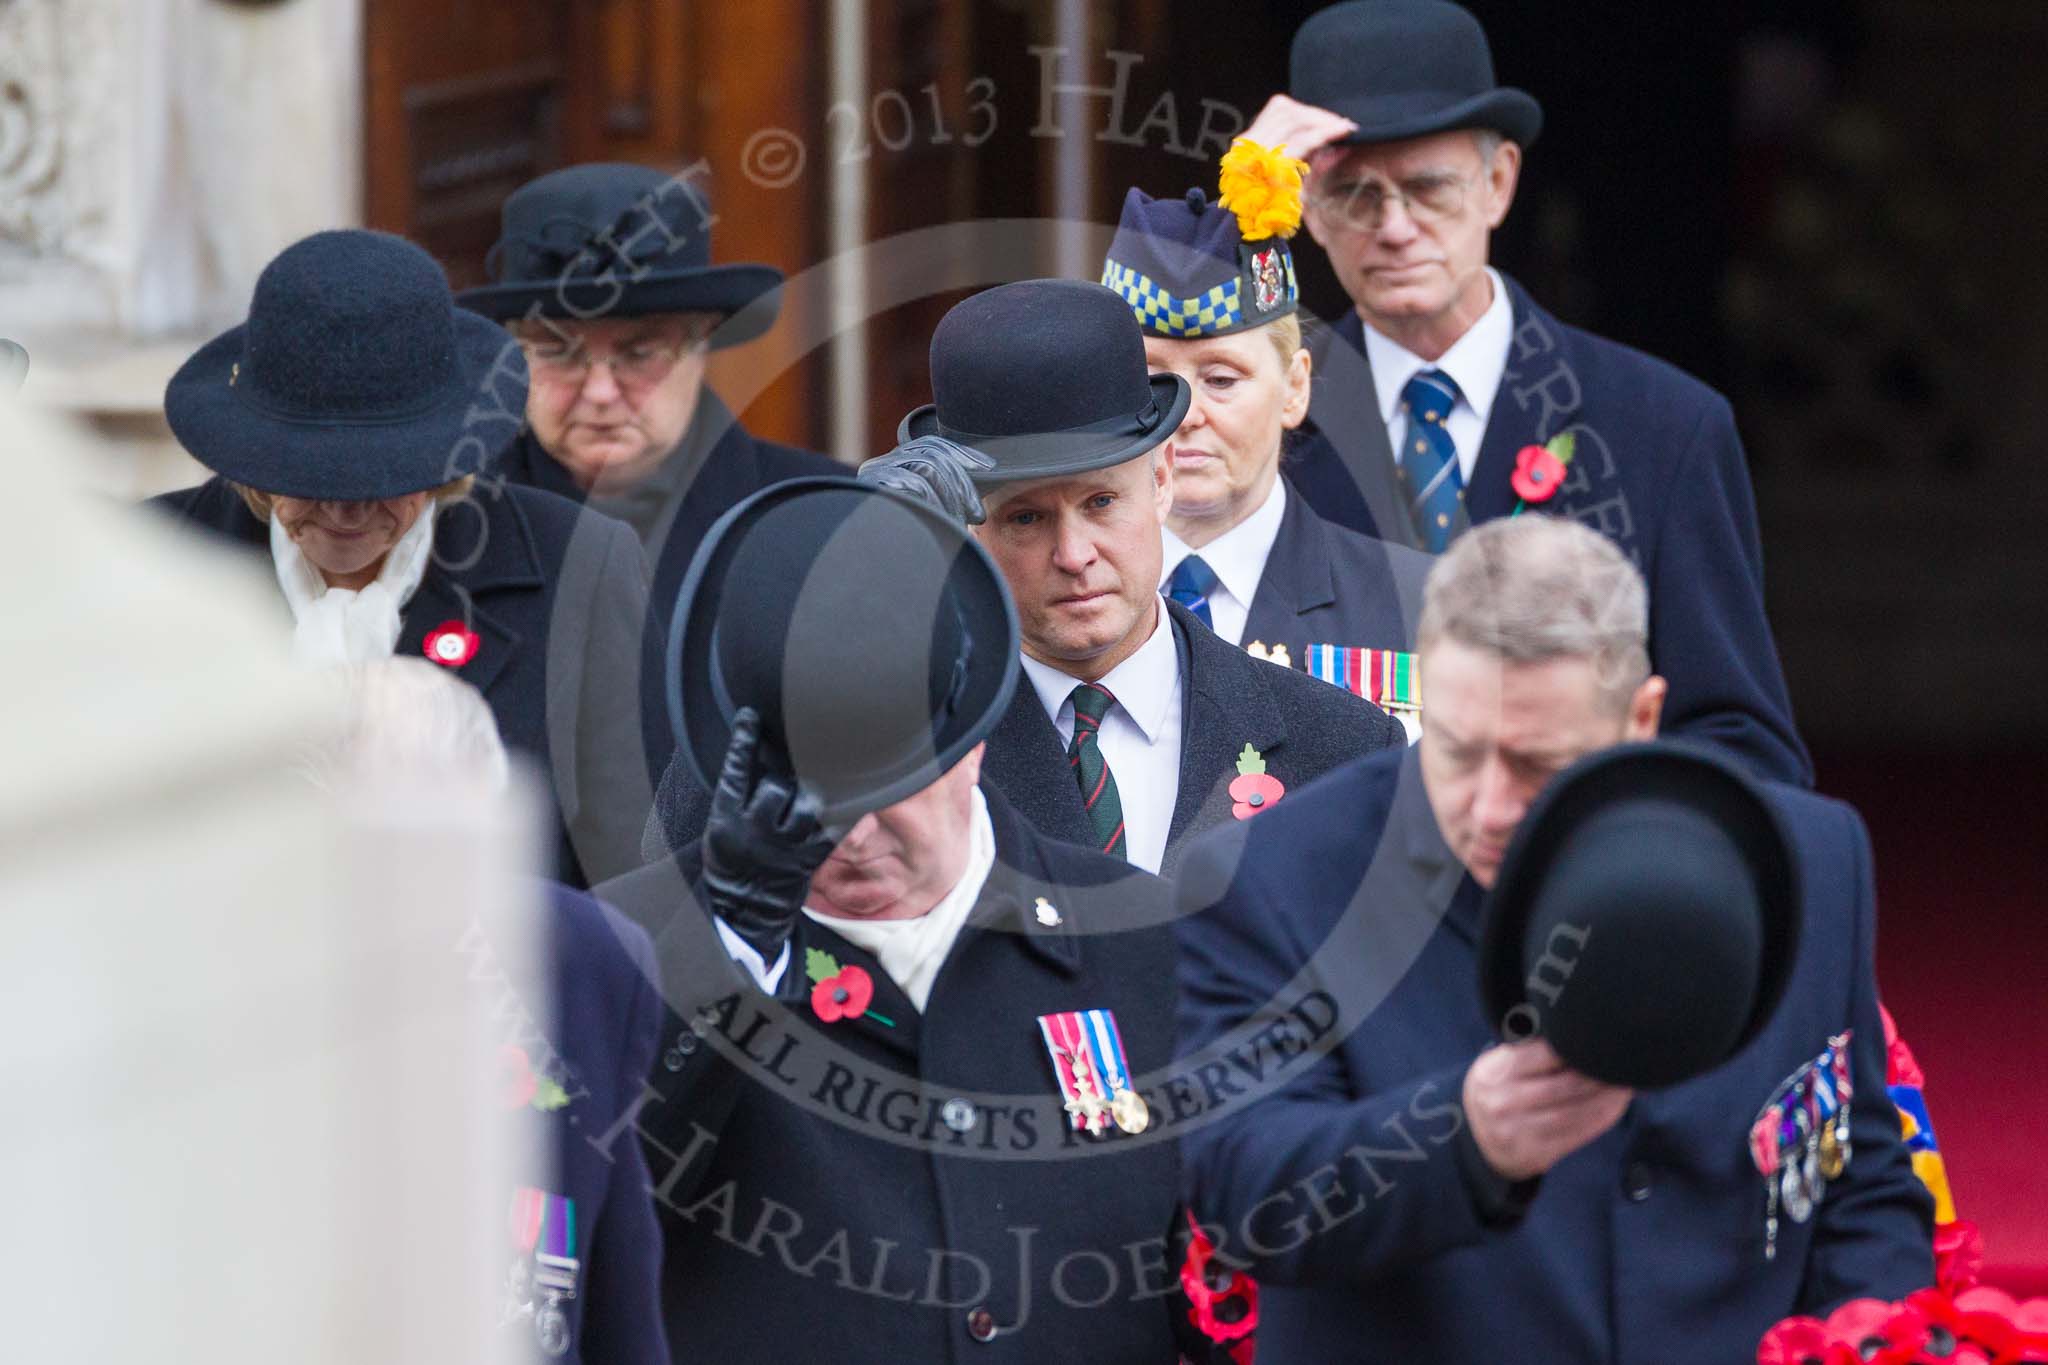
x: 1190, y: 586
x: 1429, y: 461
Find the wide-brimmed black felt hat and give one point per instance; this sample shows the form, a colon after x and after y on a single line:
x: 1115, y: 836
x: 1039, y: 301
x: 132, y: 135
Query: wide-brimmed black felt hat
x: 1645, y: 915
x: 354, y: 377
x: 871, y: 633
x: 1048, y: 379
x: 1406, y: 68
x: 614, y: 240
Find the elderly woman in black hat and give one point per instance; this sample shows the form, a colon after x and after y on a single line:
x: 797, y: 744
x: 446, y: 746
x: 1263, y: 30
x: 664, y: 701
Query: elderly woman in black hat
x: 604, y: 274
x: 1213, y: 286
x: 346, y: 422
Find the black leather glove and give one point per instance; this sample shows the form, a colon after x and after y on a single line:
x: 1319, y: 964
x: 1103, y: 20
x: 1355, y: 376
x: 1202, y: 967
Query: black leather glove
x: 935, y: 471
x: 762, y: 842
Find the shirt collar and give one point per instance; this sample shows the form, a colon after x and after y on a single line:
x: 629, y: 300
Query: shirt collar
x: 1238, y: 555
x: 1475, y: 362
x: 1145, y: 685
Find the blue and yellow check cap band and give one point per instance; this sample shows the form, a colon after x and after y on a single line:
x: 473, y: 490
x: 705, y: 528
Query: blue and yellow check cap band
x: 1185, y: 270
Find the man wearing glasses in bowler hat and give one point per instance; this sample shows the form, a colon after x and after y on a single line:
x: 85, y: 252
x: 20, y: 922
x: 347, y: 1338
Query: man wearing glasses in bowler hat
x: 1447, y: 397
x: 1139, y: 727
x: 1612, y: 1078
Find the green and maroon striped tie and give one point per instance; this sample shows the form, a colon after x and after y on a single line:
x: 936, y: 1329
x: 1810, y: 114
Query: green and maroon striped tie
x: 1104, y: 808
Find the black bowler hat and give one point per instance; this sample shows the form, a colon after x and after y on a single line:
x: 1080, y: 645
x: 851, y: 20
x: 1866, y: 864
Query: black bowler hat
x: 1047, y: 378
x: 871, y: 633
x: 1185, y: 270
x: 1645, y: 916
x: 612, y: 240
x: 1405, y: 68
x: 355, y: 377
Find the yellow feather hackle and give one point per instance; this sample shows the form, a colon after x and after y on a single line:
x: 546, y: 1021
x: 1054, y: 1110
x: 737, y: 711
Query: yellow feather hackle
x: 1262, y: 186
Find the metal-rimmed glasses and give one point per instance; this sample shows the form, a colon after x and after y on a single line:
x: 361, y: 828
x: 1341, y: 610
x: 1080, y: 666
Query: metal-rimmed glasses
x: 1428, y: 198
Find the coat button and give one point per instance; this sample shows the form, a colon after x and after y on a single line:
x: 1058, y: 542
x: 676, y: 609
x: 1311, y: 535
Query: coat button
x: 1635, y: 1182
x: 957, y: 1114
x: 981, y: 1325
x: 673, y: 1059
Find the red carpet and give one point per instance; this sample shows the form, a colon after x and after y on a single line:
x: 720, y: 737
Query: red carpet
x: 1962, y: 897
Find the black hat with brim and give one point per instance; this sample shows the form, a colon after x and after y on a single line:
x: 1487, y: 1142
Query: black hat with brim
x: 872, y: 634
x: 1406, y: 68
x: 1048, y: 379
x: 616, y: 240
x: 354, y: 378
x: 1645, y: 916
x: 746, y: 297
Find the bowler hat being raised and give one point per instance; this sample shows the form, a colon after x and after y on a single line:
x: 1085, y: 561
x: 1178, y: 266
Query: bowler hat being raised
x: 871, y: 633
x: 1047, y: 378
x: 1405, y: 68
x: 611, y: 240
x: 355, y: 377
x: 1644, y: 917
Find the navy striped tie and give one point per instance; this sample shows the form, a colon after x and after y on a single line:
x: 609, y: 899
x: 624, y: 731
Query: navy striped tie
x: 1190, y: 584
x: 1428, y: 459
x: 1104, y: 808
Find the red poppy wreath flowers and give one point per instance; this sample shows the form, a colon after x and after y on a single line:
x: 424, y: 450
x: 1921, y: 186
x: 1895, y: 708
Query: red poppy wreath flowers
x: 1950, y: 1324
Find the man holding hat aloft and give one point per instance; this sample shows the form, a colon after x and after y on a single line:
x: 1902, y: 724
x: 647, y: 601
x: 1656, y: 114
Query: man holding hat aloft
x: 1138, y: 726
x: 1447, y: 397
x: 342, y: 425
x: 1212, y: 285
x: 896, y: 1116
x: 604, y: 274
x: 1611, y: 1083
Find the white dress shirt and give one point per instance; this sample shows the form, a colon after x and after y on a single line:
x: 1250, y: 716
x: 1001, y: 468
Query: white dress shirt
x: 1140, y: 736
x: 1239, y: 558
x: 911, y: 951
x: 1475, y: 362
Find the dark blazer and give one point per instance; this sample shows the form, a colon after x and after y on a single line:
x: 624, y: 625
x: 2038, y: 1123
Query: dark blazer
x: 1645, y: 1246
x: 559, y: 599
x: 600, y: 1043
x: 1658, y: 468
x: 1328, y: 585
x: 721, y: 464
x: 1302, y: 726
x: 863, y: 1192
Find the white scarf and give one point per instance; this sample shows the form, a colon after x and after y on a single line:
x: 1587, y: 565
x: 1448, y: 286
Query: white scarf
x: 337, y: 625
x: 911, y: 951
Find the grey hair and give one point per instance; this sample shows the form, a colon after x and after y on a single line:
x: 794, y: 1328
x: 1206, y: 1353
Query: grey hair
x: 1533, y: 588
x: 408, y: 717
x: 1488, y: 141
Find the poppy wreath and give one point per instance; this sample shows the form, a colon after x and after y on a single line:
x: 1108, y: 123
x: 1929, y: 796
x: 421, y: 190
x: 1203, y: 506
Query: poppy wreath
x: 1948, y: 1324
x: 1223, y: 1303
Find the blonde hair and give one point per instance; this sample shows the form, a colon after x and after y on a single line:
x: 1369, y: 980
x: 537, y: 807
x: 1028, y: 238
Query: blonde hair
x: 1285, y: 334
x: 262, y: 504
x: 1532, y: 588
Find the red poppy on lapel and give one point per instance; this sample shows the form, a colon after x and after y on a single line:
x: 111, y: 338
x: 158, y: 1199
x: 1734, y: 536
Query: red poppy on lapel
x: 451, y: 644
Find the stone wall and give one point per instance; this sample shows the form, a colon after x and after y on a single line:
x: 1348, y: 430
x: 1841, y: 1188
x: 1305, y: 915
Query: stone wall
x: 154, y: 154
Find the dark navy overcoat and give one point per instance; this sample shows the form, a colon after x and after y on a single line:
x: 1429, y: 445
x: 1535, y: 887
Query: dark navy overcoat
x: 1658, y: 467
x: 1348, y: 1178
